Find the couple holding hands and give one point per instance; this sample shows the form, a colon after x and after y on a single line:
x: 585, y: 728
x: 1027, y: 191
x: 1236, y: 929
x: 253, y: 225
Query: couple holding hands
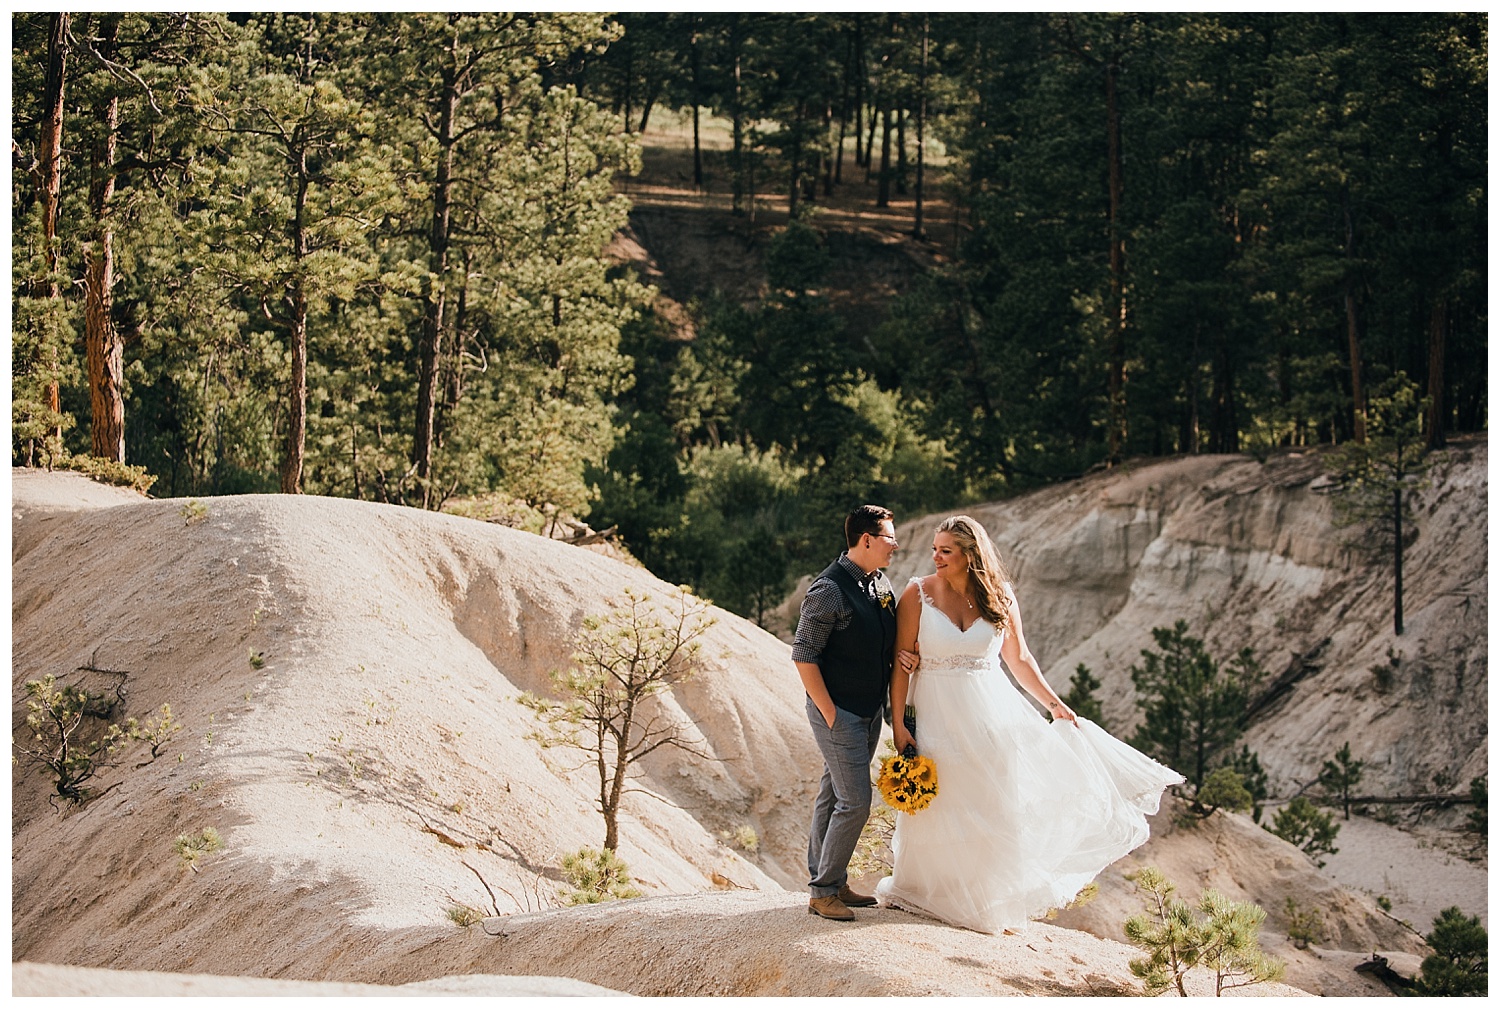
x: 1027, y: 812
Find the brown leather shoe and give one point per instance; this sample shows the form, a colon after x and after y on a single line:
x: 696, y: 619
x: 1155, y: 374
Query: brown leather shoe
x: 852, y: 899
x: 829, y: 907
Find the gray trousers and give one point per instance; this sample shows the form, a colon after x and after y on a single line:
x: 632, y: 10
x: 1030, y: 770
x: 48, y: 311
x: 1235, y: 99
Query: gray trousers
x: 843, y: 803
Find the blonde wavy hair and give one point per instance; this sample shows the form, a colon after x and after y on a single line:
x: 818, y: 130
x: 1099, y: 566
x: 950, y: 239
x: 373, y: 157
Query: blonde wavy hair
x: 985, y: 567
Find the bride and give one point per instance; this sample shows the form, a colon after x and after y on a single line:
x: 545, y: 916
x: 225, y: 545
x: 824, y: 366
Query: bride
x: 1026, y: 813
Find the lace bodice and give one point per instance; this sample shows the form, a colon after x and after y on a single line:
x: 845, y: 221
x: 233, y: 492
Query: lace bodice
x: 947, y: 649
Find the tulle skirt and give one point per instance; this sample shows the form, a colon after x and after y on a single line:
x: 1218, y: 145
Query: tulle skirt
x: 1027, y: 813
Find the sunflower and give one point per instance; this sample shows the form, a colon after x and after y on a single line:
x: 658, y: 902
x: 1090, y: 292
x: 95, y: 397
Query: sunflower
x: 907, y: 782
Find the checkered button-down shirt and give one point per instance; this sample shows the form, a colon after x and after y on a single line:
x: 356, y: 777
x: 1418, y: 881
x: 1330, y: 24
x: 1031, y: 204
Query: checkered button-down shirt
x: 825, y: 610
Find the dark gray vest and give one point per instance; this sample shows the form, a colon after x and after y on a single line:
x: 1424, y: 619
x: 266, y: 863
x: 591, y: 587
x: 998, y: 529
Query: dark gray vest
x: 856, y: 661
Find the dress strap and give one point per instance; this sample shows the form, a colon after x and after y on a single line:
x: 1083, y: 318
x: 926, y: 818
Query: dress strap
x: 917, y: 581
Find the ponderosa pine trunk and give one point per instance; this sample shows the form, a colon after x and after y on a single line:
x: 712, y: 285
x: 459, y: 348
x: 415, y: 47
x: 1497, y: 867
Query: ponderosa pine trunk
x: 1437, y: 339
x: 1351, y: 320
x: 1117, y: 307
x: 296, y: 422
x: 916, y: 229
x: 883, y: 194
x: 430, y: 345
x: 49, y: 182
x: 104, y: 350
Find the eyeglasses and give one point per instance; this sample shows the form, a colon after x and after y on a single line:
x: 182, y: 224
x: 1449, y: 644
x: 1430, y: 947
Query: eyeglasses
x: 889, y: 539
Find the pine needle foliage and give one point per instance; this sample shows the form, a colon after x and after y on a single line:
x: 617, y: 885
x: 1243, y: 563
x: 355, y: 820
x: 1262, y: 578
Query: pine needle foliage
x: 1193, y: 705
x: 1222, y: 789
x: 625, y: 659
x: 1306, y: 826
x: 157, y: 733
x: 1080, y: 696
x: 1166, y: 931
x: 191, y: 847
x: 1231, y: 943
x: 1459, y: 964
x: 596, y: 876
x: 62, y: 741
x: 1303, y: 927
x: 1479, y: 817
x: 1222, y: 936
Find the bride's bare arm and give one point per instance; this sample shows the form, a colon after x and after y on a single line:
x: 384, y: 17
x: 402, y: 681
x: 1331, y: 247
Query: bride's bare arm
x: 908, y: 618
x: 1023, y: 666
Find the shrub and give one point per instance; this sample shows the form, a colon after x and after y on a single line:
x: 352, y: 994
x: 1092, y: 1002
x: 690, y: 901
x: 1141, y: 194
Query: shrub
x: 463, y: 916
x: 193, y: 512
x: 1222, y: 788
x: 154, y: 734
x: 1304, y: 825
x: 108, y: 471
x: 1247, y: 764
x: 596, y: 876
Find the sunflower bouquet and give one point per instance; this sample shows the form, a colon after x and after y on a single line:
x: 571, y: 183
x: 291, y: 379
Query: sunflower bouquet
x: 908, y: 781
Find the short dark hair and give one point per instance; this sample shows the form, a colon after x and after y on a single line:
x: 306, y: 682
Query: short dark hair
x: 865, y: 519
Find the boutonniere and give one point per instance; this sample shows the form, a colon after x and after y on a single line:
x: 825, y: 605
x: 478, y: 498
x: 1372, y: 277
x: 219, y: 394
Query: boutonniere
x: 888, y: 600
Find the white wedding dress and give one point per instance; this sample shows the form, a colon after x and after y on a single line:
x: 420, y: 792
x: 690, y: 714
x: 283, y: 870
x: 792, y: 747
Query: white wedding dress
x: 1027, y: 812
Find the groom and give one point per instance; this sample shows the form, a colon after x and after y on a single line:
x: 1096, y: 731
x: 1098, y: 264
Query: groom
x: 845, y: 643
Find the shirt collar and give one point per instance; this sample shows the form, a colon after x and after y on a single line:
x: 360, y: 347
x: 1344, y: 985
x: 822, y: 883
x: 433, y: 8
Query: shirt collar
x: 857, y: 571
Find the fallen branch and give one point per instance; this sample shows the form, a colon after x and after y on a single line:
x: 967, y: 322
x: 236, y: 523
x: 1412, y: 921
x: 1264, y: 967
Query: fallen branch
x: 448, y: 839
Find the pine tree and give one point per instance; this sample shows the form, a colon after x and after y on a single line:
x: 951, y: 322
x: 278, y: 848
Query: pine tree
x: 1373, y: 479
x: 1193, y: 706
x: 1459, y: 964
x: 1479, y: 817
x: 1080, y: 696
x: 299, y: 183
x: 1304, y: 825
x: 1224, y: 937
x: 1341, y: 774
x: 632, y: 654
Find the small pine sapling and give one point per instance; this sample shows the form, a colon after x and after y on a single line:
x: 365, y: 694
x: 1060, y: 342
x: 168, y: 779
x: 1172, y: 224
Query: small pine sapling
x: 1166, y: 931
x: 1230, y: 943
x: 191, y: 847
x: 1247, y: 763
x: 1224, y: 940
x: 1306, y: 826
x: 60, y: 742
x: 1341, y: 774
x: 624, y: 659
x: 596, y: 876
x: 1303, y: 927
x: 155, y: 734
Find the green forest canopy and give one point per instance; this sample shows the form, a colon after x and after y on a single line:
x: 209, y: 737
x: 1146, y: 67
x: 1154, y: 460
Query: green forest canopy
x: 361, y: 255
